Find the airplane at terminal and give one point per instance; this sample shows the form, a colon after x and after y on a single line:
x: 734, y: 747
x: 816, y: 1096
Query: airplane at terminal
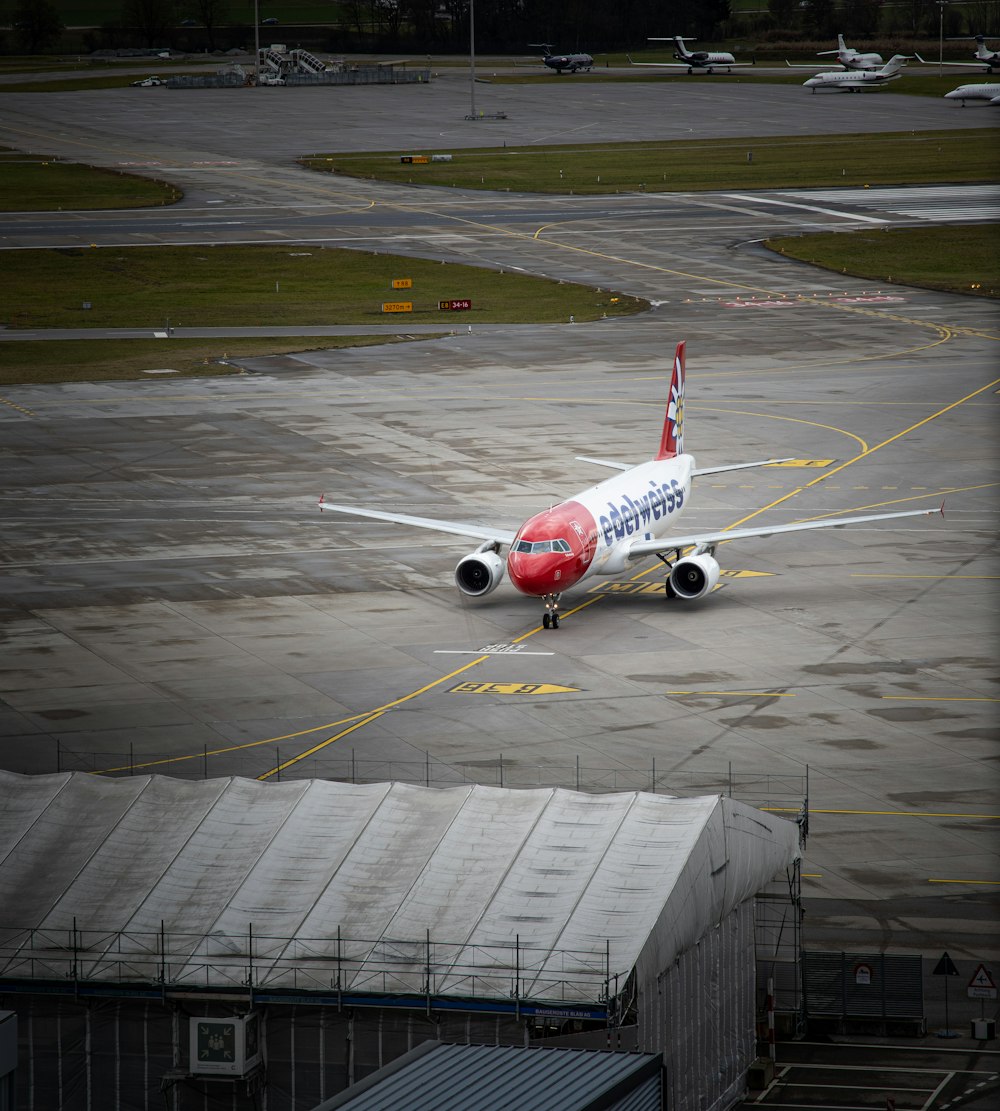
x: 561, y: 62
x: 847, y: 57
x: 853, y: 80
x: 984, y: 58
x: 708, y: 60
x: 606, y: 528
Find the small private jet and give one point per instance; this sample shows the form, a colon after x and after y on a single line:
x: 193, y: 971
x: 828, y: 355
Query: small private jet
x: 563, y: 63
x: 606, y: 529
x: 847, y: 58
x: 986, y: 90
x: 984, y: 58
x: 707, y: 60
x: 854, y: 80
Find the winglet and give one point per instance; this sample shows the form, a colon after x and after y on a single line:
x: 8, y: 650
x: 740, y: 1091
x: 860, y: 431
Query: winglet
x: 941, y: 510
x: 321, y: 497
x: 672, y: 439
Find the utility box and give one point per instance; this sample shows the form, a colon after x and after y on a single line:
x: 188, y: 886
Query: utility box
x: 225, y: 1046
x: 984, y: 1029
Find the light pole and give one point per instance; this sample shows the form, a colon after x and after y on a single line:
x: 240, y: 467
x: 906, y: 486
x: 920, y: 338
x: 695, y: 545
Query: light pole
x: 472, y: 58
x: 942, y: 4
x: 256, y: 42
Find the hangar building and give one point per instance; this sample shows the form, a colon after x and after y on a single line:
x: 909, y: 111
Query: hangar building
x: 229, y: 943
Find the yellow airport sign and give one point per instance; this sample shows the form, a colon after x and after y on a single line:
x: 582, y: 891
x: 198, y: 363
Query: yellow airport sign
x: 397, y: 306
x: 402, y: 283
x: 511, y: 688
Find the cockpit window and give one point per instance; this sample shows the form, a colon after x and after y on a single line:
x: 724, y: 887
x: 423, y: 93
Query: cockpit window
x: 538, y: 547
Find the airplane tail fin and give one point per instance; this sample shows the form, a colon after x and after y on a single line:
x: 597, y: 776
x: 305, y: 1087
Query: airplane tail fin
x: 672, y: 440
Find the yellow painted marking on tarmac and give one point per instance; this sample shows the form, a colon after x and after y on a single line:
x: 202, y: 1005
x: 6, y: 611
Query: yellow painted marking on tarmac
x: 812, y: 875
x: 866, y: 454
x: 511, y: 688
x: 18, y: 408
x: 804, y: 463
x: 734, y: 694
x: 941, y: 578
x: 889, y: 813
x: 981, y: 883
x: 932, y: 698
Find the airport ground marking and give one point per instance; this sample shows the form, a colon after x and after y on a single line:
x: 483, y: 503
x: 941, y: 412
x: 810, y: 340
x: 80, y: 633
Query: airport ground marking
x: 935, y: 698
x: 981, y: 883
x: 512, y: 688
x: 375, y: 714
x: 733, y: 694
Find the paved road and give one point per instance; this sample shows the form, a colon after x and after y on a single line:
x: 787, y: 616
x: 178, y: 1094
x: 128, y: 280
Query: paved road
x: 172, y: 600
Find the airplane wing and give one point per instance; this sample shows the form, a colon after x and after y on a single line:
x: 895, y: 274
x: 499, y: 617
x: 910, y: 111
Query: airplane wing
x: 973, y: 63
x: 616, y: 466
x: 689, y: 65
x: 477, y: 532
x: 708, y: 540
x: 613, y: 464
x: 813, y: 65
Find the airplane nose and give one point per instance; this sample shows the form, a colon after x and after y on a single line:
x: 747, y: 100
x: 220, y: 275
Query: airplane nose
x: 538, y: 576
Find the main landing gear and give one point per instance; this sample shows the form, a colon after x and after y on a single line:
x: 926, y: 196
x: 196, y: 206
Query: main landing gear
x: 550, y: 619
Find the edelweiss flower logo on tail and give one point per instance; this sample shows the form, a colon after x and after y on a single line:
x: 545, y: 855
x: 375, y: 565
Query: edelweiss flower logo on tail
x: 675, y: 407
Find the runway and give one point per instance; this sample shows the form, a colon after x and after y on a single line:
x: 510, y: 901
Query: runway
x: 174, y: 602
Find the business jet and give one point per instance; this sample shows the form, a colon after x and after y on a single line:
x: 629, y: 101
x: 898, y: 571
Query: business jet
x: 987, y: 90
x: 708, y: 60
x: 847, y: 57
x: 983, y: 58
x: 857, y: 79
x: 606, y: 528
x: 561, y: 62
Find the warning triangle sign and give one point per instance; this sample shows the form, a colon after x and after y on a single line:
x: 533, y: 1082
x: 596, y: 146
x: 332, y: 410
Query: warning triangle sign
x: 945, y: 967
x: 981, y: 978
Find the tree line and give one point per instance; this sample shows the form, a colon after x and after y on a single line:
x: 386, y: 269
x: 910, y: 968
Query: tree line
x: 504, y: 26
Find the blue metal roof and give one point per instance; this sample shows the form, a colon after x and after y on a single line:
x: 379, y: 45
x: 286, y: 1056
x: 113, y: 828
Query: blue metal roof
x: 444, y: 1077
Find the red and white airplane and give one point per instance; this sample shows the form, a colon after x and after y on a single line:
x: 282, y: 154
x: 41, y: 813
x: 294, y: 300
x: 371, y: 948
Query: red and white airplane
x: 606, y: 528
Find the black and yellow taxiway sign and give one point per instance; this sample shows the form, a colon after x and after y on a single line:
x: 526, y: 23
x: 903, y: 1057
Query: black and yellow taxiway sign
x: 511, y: 688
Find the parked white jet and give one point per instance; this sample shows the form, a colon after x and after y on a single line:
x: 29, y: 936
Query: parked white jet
x: 855, y: 80
x: 983, y: 58
x: 987, y: 90
x: 606, y: 528
x: 708, y: 60
x: 847, y: 57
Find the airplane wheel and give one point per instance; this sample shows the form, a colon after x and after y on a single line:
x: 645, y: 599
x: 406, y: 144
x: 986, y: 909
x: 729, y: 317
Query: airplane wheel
x: 546, y: 621
x: 555, y: 621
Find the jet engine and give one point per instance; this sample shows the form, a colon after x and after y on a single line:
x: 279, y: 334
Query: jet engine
x: 693, y: 577
x: 479, y: 573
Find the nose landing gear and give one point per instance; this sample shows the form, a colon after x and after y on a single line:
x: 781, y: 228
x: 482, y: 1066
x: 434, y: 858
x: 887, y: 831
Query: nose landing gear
x: 550, y: 619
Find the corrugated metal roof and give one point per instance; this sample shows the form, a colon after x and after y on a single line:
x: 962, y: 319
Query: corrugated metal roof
x: 350, y: 882
x: 440, y: 1077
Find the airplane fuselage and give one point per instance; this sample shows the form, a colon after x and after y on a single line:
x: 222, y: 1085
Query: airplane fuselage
x: 590, y: 533
x: 572, y: 62
x: 987, y: 90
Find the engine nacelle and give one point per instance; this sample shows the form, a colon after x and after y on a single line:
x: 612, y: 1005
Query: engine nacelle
x: 694, y: 577
x: 479, y: 573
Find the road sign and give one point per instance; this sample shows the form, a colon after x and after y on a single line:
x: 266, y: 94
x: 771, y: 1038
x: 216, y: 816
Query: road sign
x: 981, y: 986
x: 397, y: 306
x: 945, y: 967
x: 402, y: 283
x: 455, y: 306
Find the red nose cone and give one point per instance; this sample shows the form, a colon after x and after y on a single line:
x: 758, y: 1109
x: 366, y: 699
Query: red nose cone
x: 553, y: 550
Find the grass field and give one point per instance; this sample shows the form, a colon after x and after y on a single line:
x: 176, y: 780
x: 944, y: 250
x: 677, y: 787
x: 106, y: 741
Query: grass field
x: 34, y: 183
x: 86, y: 360
x: 956, y: 258
x: 904, y: 157
x: 249, y: 285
